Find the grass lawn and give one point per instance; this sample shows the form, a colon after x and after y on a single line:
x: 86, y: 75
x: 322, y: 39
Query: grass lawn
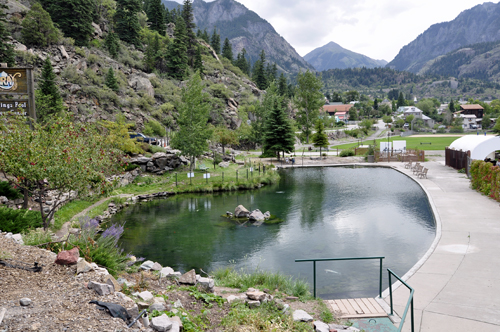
x: 412, y: 142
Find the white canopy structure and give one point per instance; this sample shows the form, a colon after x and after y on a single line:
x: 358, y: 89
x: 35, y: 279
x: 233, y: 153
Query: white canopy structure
x: 480, y: 147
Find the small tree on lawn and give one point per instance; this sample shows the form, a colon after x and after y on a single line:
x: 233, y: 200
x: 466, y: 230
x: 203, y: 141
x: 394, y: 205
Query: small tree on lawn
x: 225, y: 137
x: 309, y: 100
x: 279, y: 135
x: 194, y: 109
x: 319, y: 138
x: 59, y: 157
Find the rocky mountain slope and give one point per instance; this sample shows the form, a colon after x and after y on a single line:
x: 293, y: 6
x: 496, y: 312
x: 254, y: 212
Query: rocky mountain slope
x: 245, y: 29
x: 333, y: 56
x: 478, y: 24
x: 478, y: 61
x: 142, y: 97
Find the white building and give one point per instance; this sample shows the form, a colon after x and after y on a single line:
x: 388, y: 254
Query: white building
x: 417, y: 113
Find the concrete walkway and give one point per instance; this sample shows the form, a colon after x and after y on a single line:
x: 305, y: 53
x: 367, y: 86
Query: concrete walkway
x: 457, y: 287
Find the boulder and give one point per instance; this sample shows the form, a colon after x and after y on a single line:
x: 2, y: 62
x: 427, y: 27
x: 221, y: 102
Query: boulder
x: 25, y: 302
x: 146, y: 296
x: 99, y: 288
x: 97, y: 30
x: 83, y: 266
x: 253, y: 304
x: 267, y: 215
x: 301, y: 316
x: 241, y: 212
x: 158, y: 155
x: 319, y: 326
x: 64, y: 54
x: 68, y: 257
x: 112, y: 282
x: 156, y: 267
x: 161, y: 323
x: 188, y: 278
x: 147, y: 265
x: 207, y: 284
x: 18, y: 238
x: 224, y: 164
x: 157, y: 306
x: 256, y: 295
x: 256, y: 215
x: 140, y: 83
x: 166, y: 271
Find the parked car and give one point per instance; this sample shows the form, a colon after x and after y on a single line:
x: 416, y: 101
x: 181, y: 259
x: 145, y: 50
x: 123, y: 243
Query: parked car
x: 143, y: 138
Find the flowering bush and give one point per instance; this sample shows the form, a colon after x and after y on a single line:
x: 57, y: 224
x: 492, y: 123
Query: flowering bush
x: 485, y: 178
x: 101, y: 249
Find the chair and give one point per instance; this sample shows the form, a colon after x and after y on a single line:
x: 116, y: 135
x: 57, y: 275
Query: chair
x: 418, y: 169
x: 415, y: 166
x: 408, y: 164
x: 423, y: 173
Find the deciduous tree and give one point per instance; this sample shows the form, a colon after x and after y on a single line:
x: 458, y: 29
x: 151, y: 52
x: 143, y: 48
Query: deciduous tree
x: 308, y: 100
x: 194, y: 133
x: 225, y: 137
x: 60, y: 156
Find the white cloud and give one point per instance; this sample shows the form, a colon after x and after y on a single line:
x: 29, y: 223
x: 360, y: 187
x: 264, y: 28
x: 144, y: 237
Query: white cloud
x: 378, y: 29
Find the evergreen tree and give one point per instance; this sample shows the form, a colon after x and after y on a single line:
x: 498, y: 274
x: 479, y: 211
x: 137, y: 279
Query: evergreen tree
x: 241, y: 62
x: 320, y: 139
x: 151, y: 53
x: 215, y: 41
x: 401, y: 100
x: 451, y: 106
x: 282, y: 86
x: 271, y: 72
x: 205, y: 36
x: 227, y: 50
x: 375, y: 104
x: 111, y: 81
x: 177, y: 52
x: 48, y: 99
x: 187, y: 15
x: 156, y: 16
x: 7, y: 54
x: 73, y: 17
x: 194, y: 110
x: 259, y: 74
x: 38, y: 28
x: 112, y: 44
x: 198, y: 62
x: 279, y: 135
x: 127, y: 21
x: 394, y: 106
x: 308, y: 100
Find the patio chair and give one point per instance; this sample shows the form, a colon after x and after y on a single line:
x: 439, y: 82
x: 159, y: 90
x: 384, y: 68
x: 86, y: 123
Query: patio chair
x: 423, y: 173
x: 418, y: 169
x: 408, y: 164
x: 413, y: 167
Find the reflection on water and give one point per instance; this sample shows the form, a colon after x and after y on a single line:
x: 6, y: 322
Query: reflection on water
x: 328, y: 212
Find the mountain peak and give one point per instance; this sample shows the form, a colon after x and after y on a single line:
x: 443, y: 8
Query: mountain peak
x: 333, y: 56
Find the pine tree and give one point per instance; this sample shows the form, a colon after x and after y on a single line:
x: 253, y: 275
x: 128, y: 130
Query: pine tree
x: 271, y: 72
x: 451, y: 106
x: 227, y: 50
x: 259, y: 74
x: 241, y: 62
x: 156, y: 16
x: 111, y: 81
x: 205, y: 36
x: 48, y: 99
x: 7, y: 54
x: 151, y: 53
x: 375, y: 104
x: 282, y: 86
x: 187, y: 15
x: 127, y: 21
x: 198, y: 62
x: 168, y: 16
x: 38, y: 28
x: 215, y: 41
x: 73, y: 17
x: 401, y: 100
x: 319, y: 138
x: 112, y: 44
x: 177, y: 52
x: 279, y: 135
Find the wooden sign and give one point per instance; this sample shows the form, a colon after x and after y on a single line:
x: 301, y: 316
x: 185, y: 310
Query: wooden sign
x: 14, y: 81
x: 15, y: 105
x: 17, y: 82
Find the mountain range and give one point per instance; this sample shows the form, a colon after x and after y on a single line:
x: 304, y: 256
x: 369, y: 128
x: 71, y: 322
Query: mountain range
x: 476, y: 25
x: 245, y: 29
x: 334, y: 56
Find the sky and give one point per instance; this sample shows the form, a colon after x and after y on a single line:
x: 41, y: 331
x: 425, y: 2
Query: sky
x: 377, y: 29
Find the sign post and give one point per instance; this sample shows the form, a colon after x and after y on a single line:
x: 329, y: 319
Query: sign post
x: 17, y: 82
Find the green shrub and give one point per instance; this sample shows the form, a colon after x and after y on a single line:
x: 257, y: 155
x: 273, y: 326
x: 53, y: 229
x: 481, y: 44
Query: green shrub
x: 456, y: 129
x: 80, y: 51
x: 19, y: 221
x: 154, y: 128
x: 441, y: 131
x: 9, y: 192
x: 36, y: 237
x: 71, y: 74
x: 93, y: 58
x: 347, y: 153
x: 156, y: 148
x: 38, y: 28
x: 220, y: 91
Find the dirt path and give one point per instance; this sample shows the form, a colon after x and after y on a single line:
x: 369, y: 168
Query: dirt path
x: 65, y: 227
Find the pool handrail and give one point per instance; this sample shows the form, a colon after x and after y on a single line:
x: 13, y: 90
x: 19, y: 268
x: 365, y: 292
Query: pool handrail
x: 408, y: 304
x: 314, y: 260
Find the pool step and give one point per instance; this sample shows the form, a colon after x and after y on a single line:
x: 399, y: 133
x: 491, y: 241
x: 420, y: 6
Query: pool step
x: 356, y: 308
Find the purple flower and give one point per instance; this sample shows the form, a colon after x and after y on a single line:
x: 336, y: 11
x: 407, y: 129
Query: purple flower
x: 140, y: 259
x: 87, y: 223
x: 115, y: 231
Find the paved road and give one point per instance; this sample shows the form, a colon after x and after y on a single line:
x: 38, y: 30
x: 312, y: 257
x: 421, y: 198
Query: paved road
x: 458, y: 287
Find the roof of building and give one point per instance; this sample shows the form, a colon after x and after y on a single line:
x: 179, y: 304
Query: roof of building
x: 472, y: 107
x: 472, y: 116
x: 425, y: 117
x: 479, y: 146
x: 337, y: 108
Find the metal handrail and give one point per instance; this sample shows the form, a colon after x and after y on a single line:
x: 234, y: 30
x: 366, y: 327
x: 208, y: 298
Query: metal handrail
x: 410, y: 302
x: 342, y: 259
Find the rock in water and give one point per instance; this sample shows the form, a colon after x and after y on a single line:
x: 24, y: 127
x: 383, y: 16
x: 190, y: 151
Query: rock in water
x: 241, y: 212
x: 256, y: 215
